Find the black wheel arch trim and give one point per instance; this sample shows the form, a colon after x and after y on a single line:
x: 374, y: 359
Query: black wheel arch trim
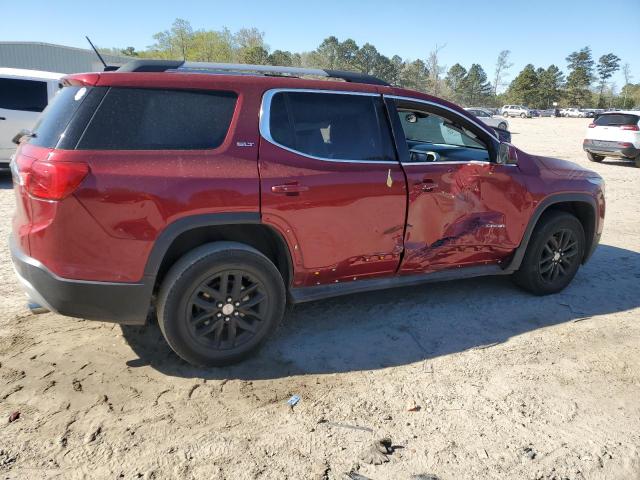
x: 173, y: 230
x: 543, y: 206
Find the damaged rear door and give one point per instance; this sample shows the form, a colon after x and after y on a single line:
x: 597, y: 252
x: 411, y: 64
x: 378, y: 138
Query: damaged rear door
x: 463, y: 208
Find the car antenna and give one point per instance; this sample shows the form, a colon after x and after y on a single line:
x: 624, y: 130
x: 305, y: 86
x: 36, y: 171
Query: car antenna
x: 106, y: 67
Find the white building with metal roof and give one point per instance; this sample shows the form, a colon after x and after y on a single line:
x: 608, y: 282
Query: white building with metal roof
x: 54, y: 58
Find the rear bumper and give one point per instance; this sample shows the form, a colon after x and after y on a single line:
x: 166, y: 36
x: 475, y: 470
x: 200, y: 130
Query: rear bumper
x: 610, y: 149
x: 126, y: 303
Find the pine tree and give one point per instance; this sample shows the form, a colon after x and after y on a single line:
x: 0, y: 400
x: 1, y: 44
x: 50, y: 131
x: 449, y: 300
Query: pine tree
x: 580, y: 77
x: 454, y: 81
x: 549, y: 86
x: 524, y: 88
x: 475, y: 86
x: 607, y: 65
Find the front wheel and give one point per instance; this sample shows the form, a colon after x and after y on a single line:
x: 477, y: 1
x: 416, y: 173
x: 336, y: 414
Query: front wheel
x: 523, y: 115
x: 595, y: 158
x: 502, y: 125
x: 219, y: 302
x: 553, y: 255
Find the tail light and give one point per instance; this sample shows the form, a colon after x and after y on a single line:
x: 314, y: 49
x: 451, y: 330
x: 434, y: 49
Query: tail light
x: 634, y: 128
x: 592, y: 125
x: 50, y: 180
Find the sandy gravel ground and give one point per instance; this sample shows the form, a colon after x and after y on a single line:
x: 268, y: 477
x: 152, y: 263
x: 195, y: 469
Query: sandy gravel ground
x: 504, y: 385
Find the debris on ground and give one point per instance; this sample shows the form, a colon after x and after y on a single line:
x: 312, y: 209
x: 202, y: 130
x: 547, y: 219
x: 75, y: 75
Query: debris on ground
x: 14, y: 416
x: 352, y: 427
x: 356, y: 476
x: 376, y: 454
x: 293, y: 401
x: 424, y: 476
x: 529, y: 452
x: 482, y: 453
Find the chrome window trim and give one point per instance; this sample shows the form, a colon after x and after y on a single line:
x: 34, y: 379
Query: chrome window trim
x: 459, y: 162
x: 444, y: 107
x: 265, y: 115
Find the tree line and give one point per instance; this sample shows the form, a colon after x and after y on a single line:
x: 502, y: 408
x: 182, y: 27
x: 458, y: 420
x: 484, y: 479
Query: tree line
x: 587, y: 83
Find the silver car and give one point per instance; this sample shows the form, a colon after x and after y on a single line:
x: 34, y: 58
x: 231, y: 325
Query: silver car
x: 487, y: 118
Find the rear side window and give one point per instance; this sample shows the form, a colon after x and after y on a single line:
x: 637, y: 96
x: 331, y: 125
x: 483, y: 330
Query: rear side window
x: 331, y: 126
x: 616, y: 119
x: 146, y: 119
x: 53, y: 122
x: 25, y: 95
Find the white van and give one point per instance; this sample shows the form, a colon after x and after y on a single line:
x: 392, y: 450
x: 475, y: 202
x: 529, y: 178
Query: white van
x: 23, y: 95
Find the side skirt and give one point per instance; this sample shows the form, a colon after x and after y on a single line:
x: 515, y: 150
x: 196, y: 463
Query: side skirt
x: 308, y: 294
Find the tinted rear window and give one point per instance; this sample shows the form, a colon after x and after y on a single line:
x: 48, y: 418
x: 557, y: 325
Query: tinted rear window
x: 54, y: 120
x: 145, y: 119
x: 331, y: 126
x: 616, y: 119
x: 25, y: 95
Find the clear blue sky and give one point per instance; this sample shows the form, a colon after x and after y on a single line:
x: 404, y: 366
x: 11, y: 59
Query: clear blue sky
x: 541, y: 32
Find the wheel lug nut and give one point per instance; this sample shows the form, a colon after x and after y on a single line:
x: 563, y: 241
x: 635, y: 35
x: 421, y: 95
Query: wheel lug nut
x: 236, y: 313
x: 237, y: 304
x: 219, y: 304
x: 218, y: 314
x: 226, y: 319
x: 229, y: 299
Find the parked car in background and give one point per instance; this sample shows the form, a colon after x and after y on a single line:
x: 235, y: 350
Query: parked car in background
x: 516, y: 111
x: 534, y: 113
x: 487, y: 117
x: 217, y: 194
x: 614, y: 134
x: 574, y: 113
x: 550, y: 112
x: 23, y: 95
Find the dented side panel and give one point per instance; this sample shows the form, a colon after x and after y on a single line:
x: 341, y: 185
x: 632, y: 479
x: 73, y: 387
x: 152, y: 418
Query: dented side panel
x: 463, y: 213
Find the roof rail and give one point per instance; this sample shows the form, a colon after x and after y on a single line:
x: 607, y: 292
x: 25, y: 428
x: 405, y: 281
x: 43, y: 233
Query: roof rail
x: 204, y: 67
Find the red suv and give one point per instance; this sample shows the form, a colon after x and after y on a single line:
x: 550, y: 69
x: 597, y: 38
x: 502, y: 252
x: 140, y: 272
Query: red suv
x: 216, y: 193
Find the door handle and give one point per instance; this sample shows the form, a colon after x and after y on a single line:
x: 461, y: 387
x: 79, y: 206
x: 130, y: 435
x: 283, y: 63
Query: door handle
x: 3, y: 118
x: 428, y: 185
x: 290, y: 189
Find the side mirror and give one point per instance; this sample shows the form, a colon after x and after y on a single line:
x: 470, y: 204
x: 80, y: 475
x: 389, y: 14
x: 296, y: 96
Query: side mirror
x: 503, y: 135
x: 504, y: 155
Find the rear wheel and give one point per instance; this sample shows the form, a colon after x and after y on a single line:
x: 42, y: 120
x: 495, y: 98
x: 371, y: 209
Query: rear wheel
x: 595, y: 158
x: 505, y: 114
x: 553, y: 255
x: 523, y: 115
x: 219, y: 302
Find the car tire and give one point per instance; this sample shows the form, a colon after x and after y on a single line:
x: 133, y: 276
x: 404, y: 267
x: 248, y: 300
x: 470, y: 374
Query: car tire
x: 637, y: 161
x: 523, y: 115
x: 195, y: 314
x: 505, y: 114
x: 595, y: 158
x: 554, y: 254
x: 502, y: 125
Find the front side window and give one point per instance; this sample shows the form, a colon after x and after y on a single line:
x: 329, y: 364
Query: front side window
x: 331, y: 126
x: 434, y: 137
x: 153, y: 119
x: 24, y: 95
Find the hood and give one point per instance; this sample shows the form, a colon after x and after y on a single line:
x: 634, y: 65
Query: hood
x: 563, y: 168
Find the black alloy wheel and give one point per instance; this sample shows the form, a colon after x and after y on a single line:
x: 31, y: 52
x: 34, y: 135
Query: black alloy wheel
x: 559, y: 255
x: 227, y: 310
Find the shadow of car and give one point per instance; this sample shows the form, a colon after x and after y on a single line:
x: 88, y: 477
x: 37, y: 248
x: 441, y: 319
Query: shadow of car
x: 406, y: 325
